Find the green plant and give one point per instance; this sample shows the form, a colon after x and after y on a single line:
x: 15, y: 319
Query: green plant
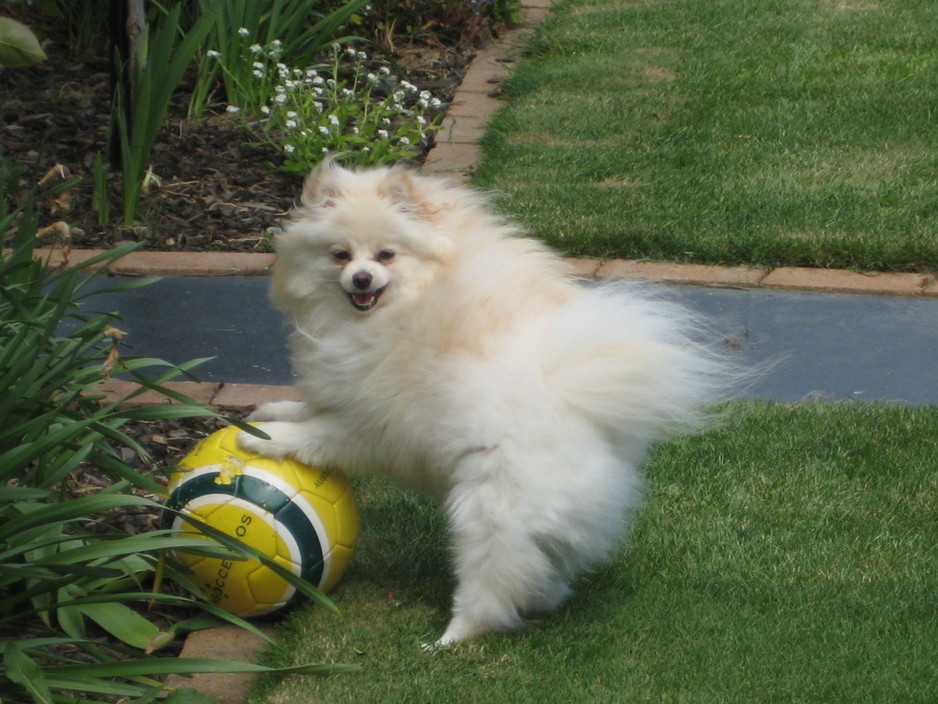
x: 436, y: 21
x: 314, y: 113
x: 18, y: 45
x: 142, y: 98
x: 69, y: 573
x: 85, y: 21
x: 299, y: 33
x: 99, y: 196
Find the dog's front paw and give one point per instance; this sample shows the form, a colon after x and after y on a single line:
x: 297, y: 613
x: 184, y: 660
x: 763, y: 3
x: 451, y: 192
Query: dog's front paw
x: 281, y: 442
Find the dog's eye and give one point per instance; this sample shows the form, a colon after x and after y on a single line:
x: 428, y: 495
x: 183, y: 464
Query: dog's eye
x: 340, y: 256
x: 385, y: 255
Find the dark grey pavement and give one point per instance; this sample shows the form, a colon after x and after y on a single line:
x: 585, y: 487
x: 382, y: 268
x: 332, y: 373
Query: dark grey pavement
x: 827, y: 346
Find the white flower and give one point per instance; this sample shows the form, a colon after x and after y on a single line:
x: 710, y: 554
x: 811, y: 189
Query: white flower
x: 265, y: 110
x: 244, y: 32
x: 256, y: 48
x: 257, y: 65
x: 346, y: 93
x: 318, y: 107
x: 212, y: 54
x: 421, y: 121
x: 317, y: 81
x: 234, y: 109
x: 280, y: 89
x: 291, y: 124
x: 292, y: 114
x: 334, y: 120
x: 435, y: 104
x: 324, y: 131
x: 382, y: 134
x: 409, y: 87
x: 372, y: 79
x: 384, y: 71
x: 289, y: 148
x: 385, y: 120
x: 325, y: 151
x: 355, y: 130
x: 280, y: 98
x: 425, y: 95
x: 311, y: 73
x: 257, y: 74
x: 351, y: 52
x: 404, y: 141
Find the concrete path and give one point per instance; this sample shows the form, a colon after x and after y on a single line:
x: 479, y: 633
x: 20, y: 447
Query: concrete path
x: 817, y: 346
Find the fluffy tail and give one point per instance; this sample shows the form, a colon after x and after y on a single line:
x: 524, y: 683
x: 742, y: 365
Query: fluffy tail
x: 633, y: 364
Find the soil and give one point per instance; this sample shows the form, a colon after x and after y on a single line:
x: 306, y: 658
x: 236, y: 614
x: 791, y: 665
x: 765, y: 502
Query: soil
x: 216, y: 191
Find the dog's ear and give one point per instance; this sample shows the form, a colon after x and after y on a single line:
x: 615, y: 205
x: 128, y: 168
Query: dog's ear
x: 399, y: 186
x: 409, y: 193
x: 320, y: 189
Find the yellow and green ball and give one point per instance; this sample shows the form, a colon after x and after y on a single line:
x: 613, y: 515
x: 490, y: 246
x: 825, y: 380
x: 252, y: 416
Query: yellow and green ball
x: 303, y: 518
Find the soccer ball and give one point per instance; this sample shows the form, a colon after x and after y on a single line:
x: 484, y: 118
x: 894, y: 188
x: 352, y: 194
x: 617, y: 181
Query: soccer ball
x: 302, y: 517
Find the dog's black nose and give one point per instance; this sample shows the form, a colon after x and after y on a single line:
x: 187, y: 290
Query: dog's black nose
x: 361, y: 280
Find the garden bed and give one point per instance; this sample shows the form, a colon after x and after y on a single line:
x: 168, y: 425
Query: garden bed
x: 215, y: 187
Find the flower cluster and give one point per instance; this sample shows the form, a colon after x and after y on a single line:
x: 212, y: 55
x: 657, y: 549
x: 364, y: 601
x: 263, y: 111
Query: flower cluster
x: 368, y: 117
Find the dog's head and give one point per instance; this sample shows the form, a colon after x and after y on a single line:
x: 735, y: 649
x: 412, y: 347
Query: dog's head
x: 360, y: 242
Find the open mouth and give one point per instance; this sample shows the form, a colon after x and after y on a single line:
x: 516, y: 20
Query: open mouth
x: 366, y: 300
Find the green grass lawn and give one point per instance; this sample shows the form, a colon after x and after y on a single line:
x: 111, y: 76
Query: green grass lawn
x: 788, y: 556
x: 767, y: 132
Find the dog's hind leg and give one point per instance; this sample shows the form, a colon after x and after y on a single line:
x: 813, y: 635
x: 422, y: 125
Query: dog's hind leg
x: 501, y: 570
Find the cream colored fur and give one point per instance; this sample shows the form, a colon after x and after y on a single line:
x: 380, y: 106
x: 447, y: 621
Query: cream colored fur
x: 482, y: 374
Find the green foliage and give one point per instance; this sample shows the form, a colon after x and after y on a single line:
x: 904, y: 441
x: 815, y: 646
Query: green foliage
x: 99, y: 200
x: 299, y: 32
x: 314, y: 113
x: 153, y: 79
x: 18, y: 45
x: 73, y: 584
x: 436, y: 21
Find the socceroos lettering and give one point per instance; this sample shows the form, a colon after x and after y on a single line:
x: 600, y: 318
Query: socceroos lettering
x: 216, y: 589
x: 242, y: 529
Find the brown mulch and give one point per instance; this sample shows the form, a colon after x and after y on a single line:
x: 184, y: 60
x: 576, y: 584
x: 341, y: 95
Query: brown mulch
x: 217, y: 191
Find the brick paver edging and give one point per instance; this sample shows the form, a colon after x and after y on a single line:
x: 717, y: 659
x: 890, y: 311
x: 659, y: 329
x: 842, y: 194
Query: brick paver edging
x: 785, y: 278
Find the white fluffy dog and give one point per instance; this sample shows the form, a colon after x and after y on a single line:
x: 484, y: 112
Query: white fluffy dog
x: 433, y: 344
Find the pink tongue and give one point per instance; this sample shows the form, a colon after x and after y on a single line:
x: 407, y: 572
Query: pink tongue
x: 363, y: 298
